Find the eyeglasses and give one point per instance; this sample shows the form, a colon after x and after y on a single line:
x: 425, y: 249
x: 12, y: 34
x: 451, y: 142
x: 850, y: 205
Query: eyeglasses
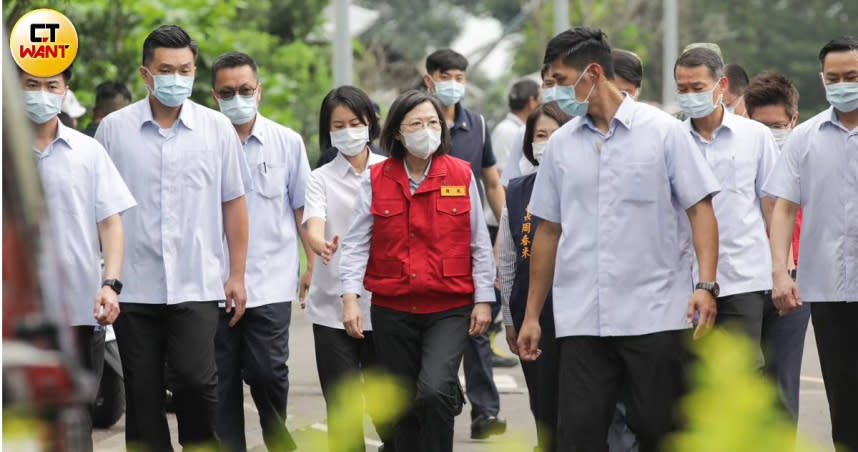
x: 227, y: 94
x: 417, y: 124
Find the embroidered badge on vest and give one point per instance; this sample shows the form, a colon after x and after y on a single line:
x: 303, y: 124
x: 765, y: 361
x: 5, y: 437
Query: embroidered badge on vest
x: 526, y: 231
x: 453, y: 190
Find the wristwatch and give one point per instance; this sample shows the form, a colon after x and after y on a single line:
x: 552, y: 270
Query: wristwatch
x: 711, y: 287
x: 114, y: 284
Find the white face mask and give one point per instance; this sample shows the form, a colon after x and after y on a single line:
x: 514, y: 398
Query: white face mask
x: 423, y: 143
x: 780, y: 136
x: 350, y: 141
x: 538, y: 150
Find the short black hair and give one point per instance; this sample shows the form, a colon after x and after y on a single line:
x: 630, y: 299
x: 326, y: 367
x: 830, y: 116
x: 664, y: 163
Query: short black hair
x: 840, y: 44
x: 401, y: 106
x: 553, y: 111
x: 168, y: 36
x: 444, y: 60
x: 355, y: 100
x: 701, y: 56
x: 520, y: 94
x: 628, y: 65
x: 737, y: 78
x: 771, y: 88
x: 544, y: 71
x: 231, y: 60
x: 580, y: 46
x: 108, y: 97
x: 67, y: 73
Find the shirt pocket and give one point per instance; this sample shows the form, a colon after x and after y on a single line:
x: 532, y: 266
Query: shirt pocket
x: 67, y: 191
x: 744, y: 176
x: 453, y: 219
x: 389, y: 221
x: 639, y: 181
x: 270, y: 179
x: 200, y: 168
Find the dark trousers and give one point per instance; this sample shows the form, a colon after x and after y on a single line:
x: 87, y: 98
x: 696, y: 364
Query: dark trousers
x: 181, y: 336
x: 479, y: 375
x: 541, y: 379
x: 782, y: 343
x: 424, y: 351
x: 340, y: 357
x: 595, y: 371
x: 255, y: 350
x: 90, y: 348
x: 836, y: 328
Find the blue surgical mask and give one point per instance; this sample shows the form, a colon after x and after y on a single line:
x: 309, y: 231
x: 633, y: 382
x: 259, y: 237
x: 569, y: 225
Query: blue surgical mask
x: 449, y: 92
x: 239, y: 109
x: 549, y: 95
x: 42, y: 106
x: 172, y: 89
x: 698, y: 105
x: 568, y: 101
x: 842, y: 96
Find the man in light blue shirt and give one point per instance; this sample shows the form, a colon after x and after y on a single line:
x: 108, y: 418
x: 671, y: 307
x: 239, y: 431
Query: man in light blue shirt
x: 181, y: 162
x: 741, y: 153
x: 615, y: 186
x: 819, y: 172
x: 255, y: 350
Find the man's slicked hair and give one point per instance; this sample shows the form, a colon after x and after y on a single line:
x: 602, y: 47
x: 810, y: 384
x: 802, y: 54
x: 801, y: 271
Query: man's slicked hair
x: 170, y: 37
x: 579, y: 47
x: 628, y: 65
x: 771, y: 88
x: 231, y: 60
x: 444, y: 60
x: 701, y: 56
x: 111, y: 96
x: 737, y: 78
x: 840, y: 44
x: 520, y: 94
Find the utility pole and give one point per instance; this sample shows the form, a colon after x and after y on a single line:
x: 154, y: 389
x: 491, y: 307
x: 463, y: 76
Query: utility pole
x: 342, y: 44
x: 561, y: 16
x: 670, y: 53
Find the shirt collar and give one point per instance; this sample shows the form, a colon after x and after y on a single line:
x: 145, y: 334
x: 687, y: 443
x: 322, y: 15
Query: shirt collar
x: 63, y: 136
x: 425, y: 172
x: 460, y: 119
x: 257, y: 131
x: 833, y: 120
x: 728, y: 122
x: 342, y: 166
x: 623, y: 116
x: 515, y: 119
x: 187, y: 115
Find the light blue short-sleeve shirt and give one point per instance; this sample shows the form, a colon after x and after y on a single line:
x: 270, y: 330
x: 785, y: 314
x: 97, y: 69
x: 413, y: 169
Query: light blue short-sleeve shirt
x: 818, y: 169
x: 181, y: 176
x: 623, y: 266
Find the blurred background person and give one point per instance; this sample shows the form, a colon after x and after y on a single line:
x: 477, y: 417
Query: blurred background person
x: 737, y: 81
x: 109, y: 97
x: 628, y: 72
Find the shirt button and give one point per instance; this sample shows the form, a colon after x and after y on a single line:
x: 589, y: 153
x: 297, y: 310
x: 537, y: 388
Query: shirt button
x: 387, y: 212
x: 454, y: 210
x: 411, y: 235
x: 414, y: 308
x: 413, y: 275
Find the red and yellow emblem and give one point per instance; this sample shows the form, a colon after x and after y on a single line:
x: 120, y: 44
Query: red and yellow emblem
x: 44, y: 42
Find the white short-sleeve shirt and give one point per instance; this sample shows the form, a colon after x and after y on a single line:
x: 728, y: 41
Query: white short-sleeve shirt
x: 275, y: 172
x: 741, y: 153
x: 331, y: 195
x: 82, y: 187
x: 174, y: 250
x: 818, y: 169
x: 622, y: 265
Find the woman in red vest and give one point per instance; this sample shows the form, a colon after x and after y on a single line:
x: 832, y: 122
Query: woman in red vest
x: 418, y: 241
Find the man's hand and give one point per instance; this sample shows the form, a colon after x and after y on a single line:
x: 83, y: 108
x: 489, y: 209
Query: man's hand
x: 306, y: 279
x: 330, y: 249
x: 510, y: 339
x: 528, y: 340
x: 352, y: 317
x: 481, y: 317
x: 705, y: 305
x: 106, y: 308
x: 236, y: 297
x: 785, y: 293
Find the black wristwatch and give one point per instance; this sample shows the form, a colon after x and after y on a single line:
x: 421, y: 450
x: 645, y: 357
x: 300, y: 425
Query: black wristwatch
x: 114, y: 284
x: 711, y: 287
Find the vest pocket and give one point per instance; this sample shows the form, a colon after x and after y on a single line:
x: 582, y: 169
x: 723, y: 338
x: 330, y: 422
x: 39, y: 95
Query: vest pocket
x: 385, y: 268
x: 387, y: 207
x: 457, y: 266
x: 453, y: 206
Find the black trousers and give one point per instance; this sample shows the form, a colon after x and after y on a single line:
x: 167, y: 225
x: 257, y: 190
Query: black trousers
x: 425, y: 351
x: 182, y: 336
x: 340, y: 357
x: 255, y: 350
x: 595, y: 371
x: 542, y: 386
x: 90, y: 348
x: 782, y: 343
x: 836, y: 328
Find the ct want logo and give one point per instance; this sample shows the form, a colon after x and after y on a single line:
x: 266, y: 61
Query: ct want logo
x: 43, y: 42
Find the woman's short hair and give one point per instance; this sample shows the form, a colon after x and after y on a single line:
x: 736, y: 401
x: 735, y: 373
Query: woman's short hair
x: 355, y: 100
x: 393, y: 123
x: 552, y: 111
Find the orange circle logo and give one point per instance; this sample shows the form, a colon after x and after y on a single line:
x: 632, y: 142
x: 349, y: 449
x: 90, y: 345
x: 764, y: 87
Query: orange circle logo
x: 43, y: 42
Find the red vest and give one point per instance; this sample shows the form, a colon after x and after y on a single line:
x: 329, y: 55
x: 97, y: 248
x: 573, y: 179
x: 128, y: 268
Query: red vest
x: 420, y: 251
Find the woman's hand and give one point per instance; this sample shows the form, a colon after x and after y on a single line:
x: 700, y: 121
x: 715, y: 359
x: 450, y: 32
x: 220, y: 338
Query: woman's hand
x: 481, y: 317
x: 352, y: 317
x: 510, y: 339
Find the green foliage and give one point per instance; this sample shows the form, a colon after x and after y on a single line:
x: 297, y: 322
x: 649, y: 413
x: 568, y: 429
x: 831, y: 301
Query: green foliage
x: 732, y: 407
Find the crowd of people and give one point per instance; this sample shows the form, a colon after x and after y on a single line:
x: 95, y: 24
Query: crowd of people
x: 605, y: 232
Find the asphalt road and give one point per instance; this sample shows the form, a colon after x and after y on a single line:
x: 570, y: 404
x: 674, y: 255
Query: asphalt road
x: 307, y: 407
